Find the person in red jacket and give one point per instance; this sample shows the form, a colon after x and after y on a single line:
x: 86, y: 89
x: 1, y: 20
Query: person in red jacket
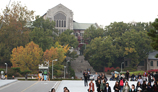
x: 145, y: 76
x: 91, y: 86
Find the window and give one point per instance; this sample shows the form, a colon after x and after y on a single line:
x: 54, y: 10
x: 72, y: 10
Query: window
x: 76, y: 34
x: 125, y: 63
x: 151, y: 63
x: 81, y: 34
x: 60, y: 20
x: 157, y: 63
x: 57, y: 23
x: 64, y: 23
x: 141, y: 63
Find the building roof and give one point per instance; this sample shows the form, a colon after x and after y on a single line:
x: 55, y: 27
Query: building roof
x: 83, y: 26
x: 152, y: 55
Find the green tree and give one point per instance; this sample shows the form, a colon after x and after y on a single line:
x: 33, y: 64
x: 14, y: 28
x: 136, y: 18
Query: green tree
x: 43, y: 33
x: 93, y: 32
x: 100, y: 53
x: 136, y: 46
x: 67, y: 38
x: 154, y: 35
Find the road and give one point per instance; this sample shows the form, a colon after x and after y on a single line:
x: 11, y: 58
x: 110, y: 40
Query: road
x: 29, y: 86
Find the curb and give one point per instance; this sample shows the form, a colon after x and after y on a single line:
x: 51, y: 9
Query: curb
x: 8, y: 83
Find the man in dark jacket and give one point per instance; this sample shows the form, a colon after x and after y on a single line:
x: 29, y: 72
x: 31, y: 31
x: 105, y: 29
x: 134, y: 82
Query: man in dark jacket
x: 127, y: 75
x: 107, y: 88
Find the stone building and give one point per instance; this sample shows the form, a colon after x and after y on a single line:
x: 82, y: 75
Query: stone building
x: 63, y: 18
x: 150, y: 63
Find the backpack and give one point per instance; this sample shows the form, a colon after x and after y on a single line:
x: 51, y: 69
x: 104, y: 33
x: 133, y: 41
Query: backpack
x: 121, y: 82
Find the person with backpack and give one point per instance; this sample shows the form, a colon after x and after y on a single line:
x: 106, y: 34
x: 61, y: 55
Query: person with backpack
x: 133, y: 88
x: 121, y: 83
x: 116, y: 87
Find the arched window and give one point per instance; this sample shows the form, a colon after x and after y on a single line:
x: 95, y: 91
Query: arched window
x: 60, y: 20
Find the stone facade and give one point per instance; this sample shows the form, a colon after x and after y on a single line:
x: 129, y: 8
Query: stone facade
x: 60, y: 10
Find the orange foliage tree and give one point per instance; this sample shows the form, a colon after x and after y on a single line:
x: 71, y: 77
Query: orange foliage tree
x: 27, y: 58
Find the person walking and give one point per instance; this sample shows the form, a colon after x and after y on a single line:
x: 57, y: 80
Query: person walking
x: 126, y: 88
x: 85, y: 79
x: 116, y: 87
x: 95, y: 77
x: 127, y: 75
x: 144, y: 86
x: 155, y: 87
x: 133, y: 88
x: 121, y: 83
x: 98, y: 85
x: 91, y: 86
x: 102, y: 87
x: 140, y: 80
x: 139, y: 86
x: 149, y: 87
x: 107, y: 88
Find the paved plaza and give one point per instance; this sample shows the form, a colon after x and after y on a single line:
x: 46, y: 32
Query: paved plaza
x: 27, y: 86
x: 45, y: 86
x: 78, y: 86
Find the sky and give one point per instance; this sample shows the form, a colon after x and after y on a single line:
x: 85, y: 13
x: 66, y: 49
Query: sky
x: 102, y: 12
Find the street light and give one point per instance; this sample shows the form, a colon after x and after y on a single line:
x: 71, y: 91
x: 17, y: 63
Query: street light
x: 121, y: 66
x: 52, y: 66
x: 64, y: 71
x: 6, y: 67
x: 67, y: 65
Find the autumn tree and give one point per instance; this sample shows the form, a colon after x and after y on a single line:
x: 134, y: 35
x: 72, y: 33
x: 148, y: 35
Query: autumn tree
x: 14, y: 32
x: 58, y: 52
x: 28, y: 57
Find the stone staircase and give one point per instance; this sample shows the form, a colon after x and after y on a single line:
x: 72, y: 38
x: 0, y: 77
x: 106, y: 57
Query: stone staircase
x: 79, y: 65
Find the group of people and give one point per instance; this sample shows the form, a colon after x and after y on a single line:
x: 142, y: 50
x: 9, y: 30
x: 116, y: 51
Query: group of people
x: 122, y: 85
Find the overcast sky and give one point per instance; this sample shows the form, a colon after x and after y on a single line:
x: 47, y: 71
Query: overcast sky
x: 102, y: 12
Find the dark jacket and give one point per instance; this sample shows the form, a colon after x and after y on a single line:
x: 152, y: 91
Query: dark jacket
x: 109, y: 89
x: 116, y: 88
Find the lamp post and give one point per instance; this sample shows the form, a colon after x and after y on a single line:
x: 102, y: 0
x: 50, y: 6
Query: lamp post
x: 52, y: 66
x: 64, y: 71
x: 6, y: 67
x: 67, y: 65
x: 121, y: 66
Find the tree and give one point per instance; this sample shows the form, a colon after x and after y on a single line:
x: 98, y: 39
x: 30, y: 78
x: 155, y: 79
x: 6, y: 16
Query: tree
x: 67, y: 38
x: 27, y: 58
x: 154, y: 35
x: 93, y: 32
x: 116, y: 29
x: 42, y: 38
x: 58, y: 52
x: 100, y: 53
x: 43, y: 33
x: 13, y: 32
x: 136, y: 46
